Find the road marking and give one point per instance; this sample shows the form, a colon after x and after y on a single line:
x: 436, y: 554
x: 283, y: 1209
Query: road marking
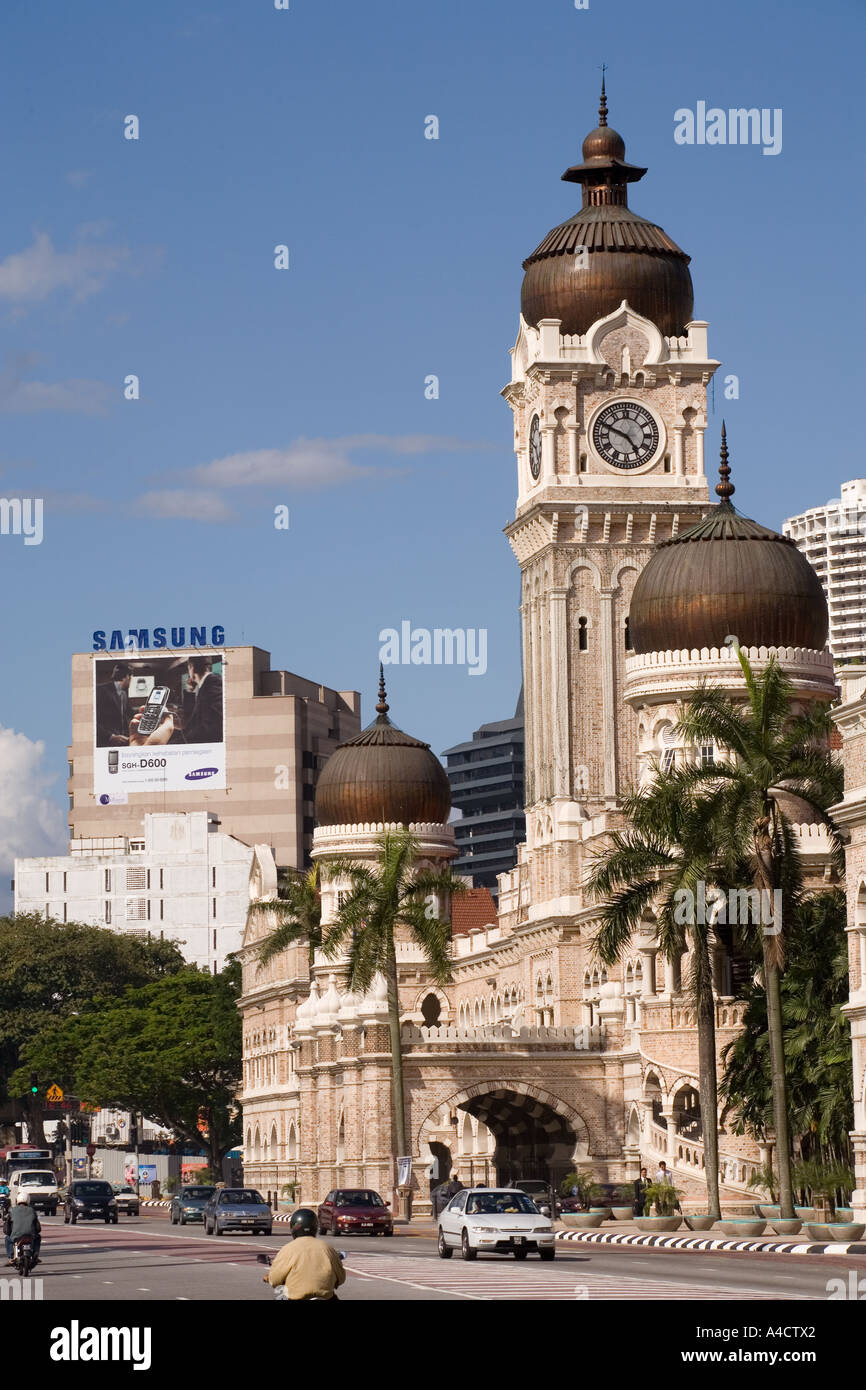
x: 144, y: 1291
x: 108, y: 1281
x: 495, y: 1279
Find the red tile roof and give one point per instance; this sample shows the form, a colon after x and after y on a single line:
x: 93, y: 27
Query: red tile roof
x: 475, y: 908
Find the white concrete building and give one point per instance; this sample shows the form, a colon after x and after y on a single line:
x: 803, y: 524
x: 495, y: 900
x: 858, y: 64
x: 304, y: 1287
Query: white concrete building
x: 833, y: 538
x: 183, y: 879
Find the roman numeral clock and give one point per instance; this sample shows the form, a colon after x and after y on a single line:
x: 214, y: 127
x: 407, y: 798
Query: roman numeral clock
x: 625, y: 434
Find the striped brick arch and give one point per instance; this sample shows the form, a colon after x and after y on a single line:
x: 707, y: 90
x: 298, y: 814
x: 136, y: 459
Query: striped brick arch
x: 537, y: 1134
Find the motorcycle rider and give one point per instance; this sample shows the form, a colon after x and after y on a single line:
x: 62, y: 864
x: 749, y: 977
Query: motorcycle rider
x: 22, y: 1221
x: 308, y: 1268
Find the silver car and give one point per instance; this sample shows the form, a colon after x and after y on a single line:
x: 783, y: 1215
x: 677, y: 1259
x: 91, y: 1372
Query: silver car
x: 500, y: 1220
x: 237, y: 1209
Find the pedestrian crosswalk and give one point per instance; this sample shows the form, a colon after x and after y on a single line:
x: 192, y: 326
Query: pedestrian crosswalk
x: 502, y: 1279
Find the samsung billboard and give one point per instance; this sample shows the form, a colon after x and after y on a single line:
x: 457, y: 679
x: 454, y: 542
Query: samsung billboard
x: 159, y: 724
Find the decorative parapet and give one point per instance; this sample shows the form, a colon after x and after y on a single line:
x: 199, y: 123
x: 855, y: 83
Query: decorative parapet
x: 676, y: 672
x: 548, y: 345
x: 578, y: 1039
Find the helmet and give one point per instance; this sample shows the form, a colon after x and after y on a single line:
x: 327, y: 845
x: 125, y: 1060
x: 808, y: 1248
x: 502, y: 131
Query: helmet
x: 23, y: 1199
x: 303, y: 1223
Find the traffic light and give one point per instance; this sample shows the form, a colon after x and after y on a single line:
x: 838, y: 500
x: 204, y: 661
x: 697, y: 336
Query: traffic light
x: 34, y: 1084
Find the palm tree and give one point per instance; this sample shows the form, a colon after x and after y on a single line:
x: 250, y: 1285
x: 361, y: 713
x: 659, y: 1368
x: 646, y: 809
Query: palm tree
x: 298, y: 913
x: 658, y: 862
x: 380, y: 898
x: 776, y: 753
x: 814, y: 990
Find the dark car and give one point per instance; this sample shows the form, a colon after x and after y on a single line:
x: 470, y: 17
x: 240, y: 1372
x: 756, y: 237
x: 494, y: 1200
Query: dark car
x: 540, y: 1191
x: 188, y: 1204
x: 237, y: 1209
x: 88, y: 1199
x: 355, y: 1210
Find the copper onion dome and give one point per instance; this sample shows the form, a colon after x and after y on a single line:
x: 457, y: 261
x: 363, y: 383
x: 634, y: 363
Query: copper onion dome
x: 627, y: 257
x: 382, y: 776
x: 727, y: 575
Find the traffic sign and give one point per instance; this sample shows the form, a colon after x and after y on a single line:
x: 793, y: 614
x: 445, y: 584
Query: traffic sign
x: 90, y: 1150
x: 54, y: 1093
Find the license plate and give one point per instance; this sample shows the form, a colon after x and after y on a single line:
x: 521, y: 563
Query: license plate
x: 519, y: 1240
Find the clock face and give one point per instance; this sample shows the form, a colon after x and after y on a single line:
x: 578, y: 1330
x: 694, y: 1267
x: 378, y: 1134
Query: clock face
x: 535, y: 447
x: 625, y: 434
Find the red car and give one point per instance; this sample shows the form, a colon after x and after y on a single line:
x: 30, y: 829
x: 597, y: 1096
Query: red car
x: 355, y: 1211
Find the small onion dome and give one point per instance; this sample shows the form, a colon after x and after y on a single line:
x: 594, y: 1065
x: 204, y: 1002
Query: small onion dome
x: 382, y: 776
x: 727, y: 575
x: 623, y: 256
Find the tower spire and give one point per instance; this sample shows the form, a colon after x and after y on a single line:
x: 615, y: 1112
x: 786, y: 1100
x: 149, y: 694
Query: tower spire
x: 724, y: 488
x: 602, y: 106
x: 383, y: 706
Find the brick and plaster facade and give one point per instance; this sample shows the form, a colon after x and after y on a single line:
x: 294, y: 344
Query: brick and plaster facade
x: 535, y: 1059
x: 850, y: 815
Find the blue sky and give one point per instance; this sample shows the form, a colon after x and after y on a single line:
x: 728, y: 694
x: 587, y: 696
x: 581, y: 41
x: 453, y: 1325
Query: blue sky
x: 306, y: 387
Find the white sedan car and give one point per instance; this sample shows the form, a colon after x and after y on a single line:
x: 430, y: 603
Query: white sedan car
x: 499, y: 1219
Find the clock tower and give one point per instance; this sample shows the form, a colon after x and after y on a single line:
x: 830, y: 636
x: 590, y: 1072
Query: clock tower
x: 608, y: 391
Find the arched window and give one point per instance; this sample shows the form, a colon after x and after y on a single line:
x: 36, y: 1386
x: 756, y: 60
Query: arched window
x: 431, y: 1009
x: 628, y: 645
x: 292, y: 1144
x: 582, y: 635
x: 275, y: 1147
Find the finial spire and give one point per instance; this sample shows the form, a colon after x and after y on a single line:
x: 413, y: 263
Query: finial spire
x: 724, y: 488
x: 383, y: 706
x: 602, y: 107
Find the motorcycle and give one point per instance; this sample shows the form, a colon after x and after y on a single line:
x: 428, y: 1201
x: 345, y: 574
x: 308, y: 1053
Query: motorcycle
x: 280, y: 1291
x: 23, y: 1255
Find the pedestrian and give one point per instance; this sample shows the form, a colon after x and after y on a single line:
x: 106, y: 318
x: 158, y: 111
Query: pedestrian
x: 640, y: 1187
x: 663, y: 1174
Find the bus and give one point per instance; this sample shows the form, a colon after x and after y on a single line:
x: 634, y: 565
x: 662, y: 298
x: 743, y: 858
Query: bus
x: 23, y: 1156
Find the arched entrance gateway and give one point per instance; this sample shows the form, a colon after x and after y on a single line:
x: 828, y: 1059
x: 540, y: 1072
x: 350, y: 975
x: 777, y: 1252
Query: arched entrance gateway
x: 536, y: 1134
x: 532, y: 1140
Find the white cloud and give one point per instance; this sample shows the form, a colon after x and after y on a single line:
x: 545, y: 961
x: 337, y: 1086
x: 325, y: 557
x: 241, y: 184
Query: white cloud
x: 81, y: 397
x: 177, y: 504
x: 77, y: 178
x: 30, y: 276
x: 311, y: 463
x: 31, y: 823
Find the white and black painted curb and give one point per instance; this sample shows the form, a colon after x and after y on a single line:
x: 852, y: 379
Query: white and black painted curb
x: 705, y: 1243
x: 152, y: 1202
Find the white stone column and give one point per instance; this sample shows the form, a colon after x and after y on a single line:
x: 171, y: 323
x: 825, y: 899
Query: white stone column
x: 678, y: 450
x: 560, y: 707
x: 543, y: 679
x: 648, y: 971
x: 608, y: 715
x: 699, y: 449
x: 528, y: 702
x: 548, y: 455
x: 572, y: 449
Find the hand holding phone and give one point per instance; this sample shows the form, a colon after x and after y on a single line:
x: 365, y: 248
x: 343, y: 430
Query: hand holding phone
x: 151, y: 715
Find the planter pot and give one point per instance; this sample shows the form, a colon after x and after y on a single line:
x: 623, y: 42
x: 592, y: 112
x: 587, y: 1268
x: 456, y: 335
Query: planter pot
x: 698, y: 1221
x: 582, y: 1220
x: 784, y: 1227
x: 835, y: 1230
x: 769, y: 1213
x: 743, y: 1228
x: 844, y: 1214
x: 805, y: 1213
x: 622, y: 1213
x: 657, y: 1224
x: 603, y: 1212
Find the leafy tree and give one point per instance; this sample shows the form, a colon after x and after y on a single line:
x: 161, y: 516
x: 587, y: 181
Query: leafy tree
x: 382, y: 898
x: 814, y: 989
x: 51, y: 970
x: 170, y: 1049
x: 298, y: 913
x: 771, y: 753
x: 657, y: 863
